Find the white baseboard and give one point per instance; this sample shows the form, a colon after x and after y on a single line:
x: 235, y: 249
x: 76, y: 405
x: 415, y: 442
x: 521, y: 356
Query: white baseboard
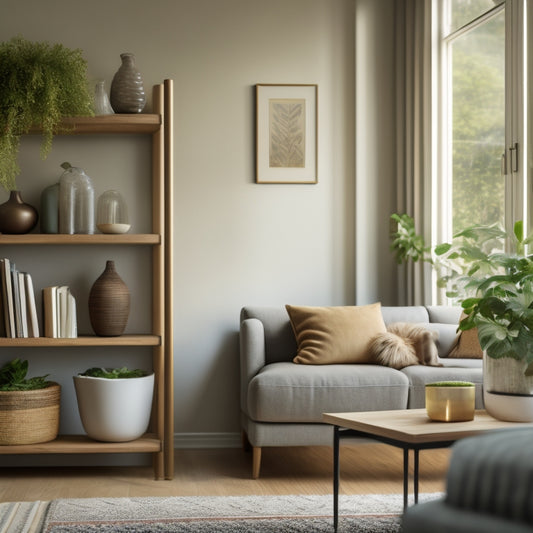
x: 207, y: 440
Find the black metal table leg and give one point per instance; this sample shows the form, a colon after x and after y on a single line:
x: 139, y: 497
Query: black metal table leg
x: 336, y: 475
x: 405, y: 476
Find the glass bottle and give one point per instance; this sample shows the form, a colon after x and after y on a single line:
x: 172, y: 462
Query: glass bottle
x: 76, y: 201
x: 112, y: 213
x: 101, y: 100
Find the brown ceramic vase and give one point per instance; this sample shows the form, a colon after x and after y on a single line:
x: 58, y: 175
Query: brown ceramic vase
x: 16, y: 216
x: 109, y: 303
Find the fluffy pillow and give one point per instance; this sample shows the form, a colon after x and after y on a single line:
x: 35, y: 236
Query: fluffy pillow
x: 467, y: 345
x: 329, y: 335
x: 405, y: 344
x: 389, y: 349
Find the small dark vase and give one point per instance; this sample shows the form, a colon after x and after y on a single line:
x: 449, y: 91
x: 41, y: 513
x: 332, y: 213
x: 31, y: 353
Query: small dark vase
x: 127, y: 90
x: 109, y: 303
x: 16, y: 216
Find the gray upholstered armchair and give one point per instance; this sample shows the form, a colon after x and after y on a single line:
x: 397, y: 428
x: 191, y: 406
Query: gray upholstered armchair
x: 489, y: 488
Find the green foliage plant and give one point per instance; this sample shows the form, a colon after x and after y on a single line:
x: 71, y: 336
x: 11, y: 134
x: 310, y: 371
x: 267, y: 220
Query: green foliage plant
x: 113, y: 373
x: 40, y: 83
x: 13, y: 377
x: 490, y: 274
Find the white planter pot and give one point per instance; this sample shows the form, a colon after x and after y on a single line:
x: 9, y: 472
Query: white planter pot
x: 114, y: 410
x: 507, y: 391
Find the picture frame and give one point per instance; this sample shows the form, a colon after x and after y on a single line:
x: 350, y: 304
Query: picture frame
x: 287, y: 133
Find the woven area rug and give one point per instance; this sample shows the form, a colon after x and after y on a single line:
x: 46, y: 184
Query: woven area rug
x: 309, y: 514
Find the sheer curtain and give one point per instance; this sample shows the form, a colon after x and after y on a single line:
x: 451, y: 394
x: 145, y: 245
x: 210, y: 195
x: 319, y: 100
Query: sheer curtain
x: 413, y: 134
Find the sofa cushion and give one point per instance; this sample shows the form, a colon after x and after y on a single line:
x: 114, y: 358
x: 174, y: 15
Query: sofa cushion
x: 406, y: 313
x: 447, y: 336
x: 280, y: 344
x: 467, y: 345
x: 285, y: 392
x: 453, y: 370
x: 333, y: 335
x: 446, y: 314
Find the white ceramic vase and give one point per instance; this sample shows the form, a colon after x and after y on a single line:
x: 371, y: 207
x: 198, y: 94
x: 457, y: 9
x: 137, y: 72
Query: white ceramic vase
x: 507, y: 391
x: 114, y: 410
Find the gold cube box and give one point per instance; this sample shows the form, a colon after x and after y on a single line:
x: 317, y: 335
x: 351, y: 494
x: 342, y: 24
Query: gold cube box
x: 450, y: 401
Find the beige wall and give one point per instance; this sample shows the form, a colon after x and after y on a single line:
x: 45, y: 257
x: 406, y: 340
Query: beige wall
x: 236, y: 242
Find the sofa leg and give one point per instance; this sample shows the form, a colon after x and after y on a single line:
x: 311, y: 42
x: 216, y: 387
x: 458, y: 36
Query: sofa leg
x: 256, y: 462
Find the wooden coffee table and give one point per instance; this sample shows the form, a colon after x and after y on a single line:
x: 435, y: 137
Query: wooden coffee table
x: 409, y: 429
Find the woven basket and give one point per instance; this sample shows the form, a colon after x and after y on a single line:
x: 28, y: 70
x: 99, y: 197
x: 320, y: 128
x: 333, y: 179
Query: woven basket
x: 29, y: 417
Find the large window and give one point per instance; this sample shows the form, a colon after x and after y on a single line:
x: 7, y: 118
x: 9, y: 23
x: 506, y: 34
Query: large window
x: 483, y: 169
x: 472, y: 59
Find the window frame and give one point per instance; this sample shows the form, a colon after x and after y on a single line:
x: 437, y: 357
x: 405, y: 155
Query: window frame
x: 518, y: 195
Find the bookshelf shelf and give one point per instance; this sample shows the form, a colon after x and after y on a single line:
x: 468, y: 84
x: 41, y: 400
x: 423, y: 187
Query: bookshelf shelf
x: 82, y: 444
x: 38, y: 238
x: 160, y: 441
x: 118, y: 123
x: 83, y: 340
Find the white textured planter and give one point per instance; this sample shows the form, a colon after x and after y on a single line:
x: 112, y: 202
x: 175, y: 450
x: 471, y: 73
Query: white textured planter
x: 507, y: 391
x: 114, y: 410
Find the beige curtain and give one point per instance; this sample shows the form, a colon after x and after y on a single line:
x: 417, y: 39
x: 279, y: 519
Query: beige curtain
x: 413, y: 134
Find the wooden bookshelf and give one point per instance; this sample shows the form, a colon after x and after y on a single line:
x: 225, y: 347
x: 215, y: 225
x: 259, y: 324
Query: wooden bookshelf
x: 160, y: 441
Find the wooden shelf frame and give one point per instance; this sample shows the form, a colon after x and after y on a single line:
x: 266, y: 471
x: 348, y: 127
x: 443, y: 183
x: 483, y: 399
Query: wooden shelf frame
x: 73, y: 444
x: 160, y: 442
x: 41, y: 238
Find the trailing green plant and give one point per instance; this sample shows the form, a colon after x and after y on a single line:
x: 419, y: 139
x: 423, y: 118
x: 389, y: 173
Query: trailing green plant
x: 40, y: 83
x: 490, y: 274
x: 113, y: 373
x: 13, y: 377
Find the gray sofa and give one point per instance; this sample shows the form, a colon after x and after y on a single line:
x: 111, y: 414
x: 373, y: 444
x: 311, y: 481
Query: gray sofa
x: 282, y: 402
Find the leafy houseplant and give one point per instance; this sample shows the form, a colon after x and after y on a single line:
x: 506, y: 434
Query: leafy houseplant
x: 29, y: 407
x: 495, y: 288
x: 114, y: 403
x: 13, y: 377
x: 40, y: 83
x: 491, y: 274
x: 114, y: 373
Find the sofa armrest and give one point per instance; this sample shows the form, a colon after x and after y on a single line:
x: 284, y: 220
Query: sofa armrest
x: 252, y: 354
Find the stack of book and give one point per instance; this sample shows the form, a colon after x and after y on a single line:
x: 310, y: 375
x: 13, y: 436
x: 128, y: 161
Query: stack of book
x: 19, y: 314
x: 59, y: 312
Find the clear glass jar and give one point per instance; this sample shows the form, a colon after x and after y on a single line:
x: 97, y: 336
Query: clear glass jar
x: 112, y: 213
x: 76, y: 201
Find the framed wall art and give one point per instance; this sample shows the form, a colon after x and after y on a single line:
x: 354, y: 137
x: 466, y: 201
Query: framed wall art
x: 286, y: 133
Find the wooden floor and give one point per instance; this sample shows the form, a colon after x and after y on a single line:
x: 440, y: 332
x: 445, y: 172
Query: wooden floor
x: 365, y: 468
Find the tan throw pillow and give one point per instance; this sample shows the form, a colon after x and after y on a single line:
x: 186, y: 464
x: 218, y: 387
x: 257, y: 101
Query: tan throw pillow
x: 467, y: 345
x: 329, y: 335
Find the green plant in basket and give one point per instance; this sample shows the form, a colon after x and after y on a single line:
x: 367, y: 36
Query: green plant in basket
x: 40, y: 83
x: 13, y: 377
x: 494, y: 287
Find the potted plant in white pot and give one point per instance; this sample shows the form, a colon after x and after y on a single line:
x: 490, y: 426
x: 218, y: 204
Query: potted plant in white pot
x: 29, y: 407
x: 114, y: 403
x: 495, y: 290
